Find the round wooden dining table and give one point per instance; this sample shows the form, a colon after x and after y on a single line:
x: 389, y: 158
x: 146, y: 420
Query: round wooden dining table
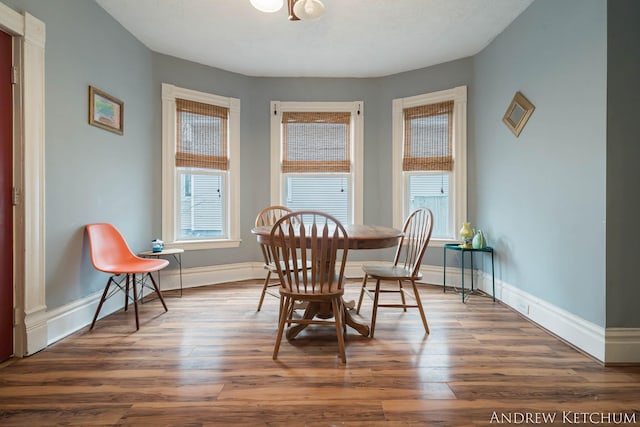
x: 360, y: 237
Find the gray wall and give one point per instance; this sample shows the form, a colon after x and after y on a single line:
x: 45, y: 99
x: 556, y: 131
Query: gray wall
x: 541, y: 197
x: 623, y: 173
x: 92, y: 175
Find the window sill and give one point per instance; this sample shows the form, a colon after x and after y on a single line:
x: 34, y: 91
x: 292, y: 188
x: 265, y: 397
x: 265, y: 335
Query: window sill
x: 194, y: 245
x: 439, y: 243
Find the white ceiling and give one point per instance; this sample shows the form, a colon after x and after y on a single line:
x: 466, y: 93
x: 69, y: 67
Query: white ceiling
x: 354, y: 38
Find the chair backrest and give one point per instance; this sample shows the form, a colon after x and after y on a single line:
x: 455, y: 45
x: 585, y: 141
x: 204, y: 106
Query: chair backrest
x: 416, y: 235
x: 107, y: 247
x: 269, y: 216
x: 307, y: 252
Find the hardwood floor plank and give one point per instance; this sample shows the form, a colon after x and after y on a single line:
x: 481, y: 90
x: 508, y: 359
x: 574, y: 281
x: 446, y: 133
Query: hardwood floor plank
x: 103, y: 414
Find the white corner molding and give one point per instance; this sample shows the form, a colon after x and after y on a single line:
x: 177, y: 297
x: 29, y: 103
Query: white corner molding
x: 34, y: 188
x: 28, y: 33
x: 11, y: 21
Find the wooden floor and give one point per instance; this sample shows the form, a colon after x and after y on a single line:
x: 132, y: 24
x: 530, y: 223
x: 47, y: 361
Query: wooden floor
x: 207, y: 362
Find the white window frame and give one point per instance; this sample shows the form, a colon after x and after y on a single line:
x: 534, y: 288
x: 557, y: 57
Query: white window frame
x: 170, y: 176
x: 458, y: 178
x: 356, y: 108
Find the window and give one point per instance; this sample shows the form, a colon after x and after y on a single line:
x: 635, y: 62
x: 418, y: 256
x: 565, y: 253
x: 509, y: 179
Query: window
x: 200, y: 169
x: 316, y: 150
x: 429, y: 158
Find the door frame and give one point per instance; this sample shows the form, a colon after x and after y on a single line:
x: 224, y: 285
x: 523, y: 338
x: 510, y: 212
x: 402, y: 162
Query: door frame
x: 30, y: 319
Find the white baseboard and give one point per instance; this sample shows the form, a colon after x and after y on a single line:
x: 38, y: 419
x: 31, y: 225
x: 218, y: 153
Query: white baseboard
x: 65, y: 320
x: 211, y: 275
x: 36, y: 332
x: 622, y: 345
x: 581, y: 333
x: 608, y: 345
x: 613, y: 345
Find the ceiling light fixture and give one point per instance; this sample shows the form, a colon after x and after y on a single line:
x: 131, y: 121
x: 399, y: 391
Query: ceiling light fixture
x: 298, y: 9
x: 308, y: 9
x: 267, y: 6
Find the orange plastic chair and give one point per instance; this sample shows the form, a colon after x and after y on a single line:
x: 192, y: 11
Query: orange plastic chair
x: 111, y: 254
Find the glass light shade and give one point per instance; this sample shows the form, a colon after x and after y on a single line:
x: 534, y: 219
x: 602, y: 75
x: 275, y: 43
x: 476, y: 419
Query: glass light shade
x: 308, y: 9
x: 267, y: 6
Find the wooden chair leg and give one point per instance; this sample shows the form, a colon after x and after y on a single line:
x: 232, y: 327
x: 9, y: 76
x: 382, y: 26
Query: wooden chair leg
x: 337, y: 314
x: 283, y: 318
x: 364, y: 285
x: 292, y: 309
x: 102, y: 299
x: 374, y: 313
x: 419, y: 302
x: 280, y: 309
x: 343, y: 310
x: 264, y: 289
x: 402, y: 297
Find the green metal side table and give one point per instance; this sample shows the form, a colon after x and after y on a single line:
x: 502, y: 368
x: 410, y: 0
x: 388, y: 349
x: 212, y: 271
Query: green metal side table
x: 457, y: 247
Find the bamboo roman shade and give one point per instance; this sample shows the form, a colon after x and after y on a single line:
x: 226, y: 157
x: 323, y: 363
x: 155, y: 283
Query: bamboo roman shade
x: 201, y: 135
x: 428, y: 137
x: 316, y: 142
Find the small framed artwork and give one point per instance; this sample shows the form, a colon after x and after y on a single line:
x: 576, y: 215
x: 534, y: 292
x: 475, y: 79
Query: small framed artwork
x: 105, y: 111
x: 518, y: 113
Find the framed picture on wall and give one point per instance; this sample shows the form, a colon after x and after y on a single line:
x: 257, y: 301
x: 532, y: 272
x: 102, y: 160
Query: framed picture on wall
x: 106, y: 111
x: 518, y: 113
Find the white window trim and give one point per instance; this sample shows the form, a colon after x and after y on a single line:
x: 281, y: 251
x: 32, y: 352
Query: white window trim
x: 169, y: 95
x: 356, y: 108
x: 459, y: 176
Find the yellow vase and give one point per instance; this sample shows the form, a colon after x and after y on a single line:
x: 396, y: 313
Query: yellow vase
x: 466, y: 234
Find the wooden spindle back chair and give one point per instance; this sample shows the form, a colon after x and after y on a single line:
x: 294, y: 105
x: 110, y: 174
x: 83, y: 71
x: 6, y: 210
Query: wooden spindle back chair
x: 406, y: 267
x: 310, y: 255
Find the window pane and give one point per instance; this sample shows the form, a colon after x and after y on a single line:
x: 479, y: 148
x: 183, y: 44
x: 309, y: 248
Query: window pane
x: 330, y: 194
x: 201, y: 207
x: 432, y: 191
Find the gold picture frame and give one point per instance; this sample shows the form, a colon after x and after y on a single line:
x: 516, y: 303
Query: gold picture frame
x: 106, y: 111
x: 518, y: 113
